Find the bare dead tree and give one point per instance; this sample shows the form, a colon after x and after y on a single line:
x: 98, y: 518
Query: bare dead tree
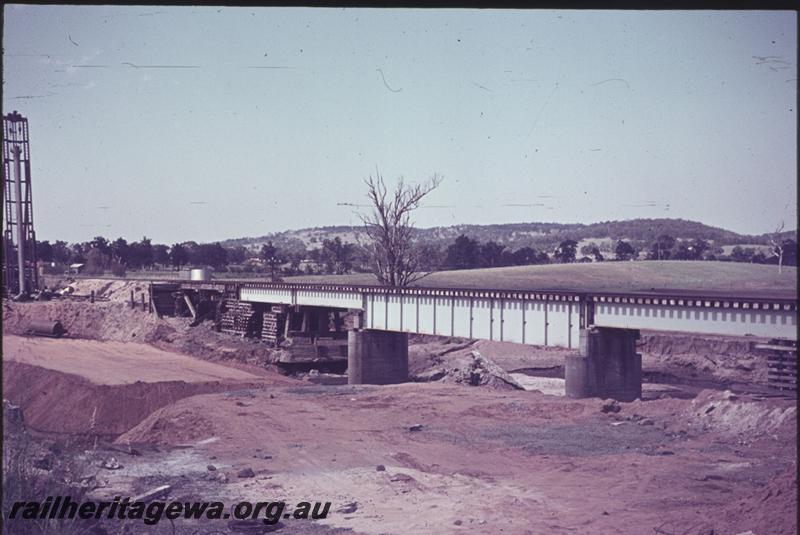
x: 395, y: 260
x: 777, y: 244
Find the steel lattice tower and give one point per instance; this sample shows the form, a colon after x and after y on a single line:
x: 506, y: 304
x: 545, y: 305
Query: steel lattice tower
x: 20, y: 275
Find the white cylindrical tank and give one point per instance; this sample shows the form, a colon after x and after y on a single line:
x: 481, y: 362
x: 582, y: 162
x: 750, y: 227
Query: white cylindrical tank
x: 200, y: 274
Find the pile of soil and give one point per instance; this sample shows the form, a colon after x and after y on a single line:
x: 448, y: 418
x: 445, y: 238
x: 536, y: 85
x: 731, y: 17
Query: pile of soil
x: 731, y: 416
x: 735, y: 419
x: 171, y: 426
x: 58, y: 402
x: 480, y: 362
x: 472, y: 369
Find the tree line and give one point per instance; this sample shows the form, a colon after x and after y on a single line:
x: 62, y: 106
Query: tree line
x: 333, y: 256
x: 101, y: 255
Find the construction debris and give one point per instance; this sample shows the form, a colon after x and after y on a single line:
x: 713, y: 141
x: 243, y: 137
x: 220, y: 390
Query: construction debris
x: 610, y: 405
x: 246, y: 472
x: 348, y: 508
x: 158, y: 492
x: 473, y: 369
x: 111, y: 464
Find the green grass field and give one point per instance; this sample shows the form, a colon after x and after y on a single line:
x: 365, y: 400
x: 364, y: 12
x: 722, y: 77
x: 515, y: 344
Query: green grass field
x: 713, y: 277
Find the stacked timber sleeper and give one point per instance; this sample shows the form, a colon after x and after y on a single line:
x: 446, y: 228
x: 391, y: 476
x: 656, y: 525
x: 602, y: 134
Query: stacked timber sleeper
x: 230, y: 303
x: 781, y: 364
x: 240, y: 318
x: 228, y: 317
x: 273, y: 324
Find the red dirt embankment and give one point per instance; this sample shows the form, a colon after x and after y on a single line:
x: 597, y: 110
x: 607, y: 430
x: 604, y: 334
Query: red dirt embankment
x: 723, y: 357
x: 104, y: 389
x: 95, y: 321
x: 116, y: 321
x: 60, y: 402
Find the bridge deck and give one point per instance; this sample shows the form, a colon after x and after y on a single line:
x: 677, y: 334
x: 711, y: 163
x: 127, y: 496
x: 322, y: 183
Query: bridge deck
x: 532, y: 316
x: 782, y: 296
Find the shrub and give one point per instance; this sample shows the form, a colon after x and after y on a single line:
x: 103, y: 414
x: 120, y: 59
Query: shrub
x: 31, y: 473
x: 118, y: 269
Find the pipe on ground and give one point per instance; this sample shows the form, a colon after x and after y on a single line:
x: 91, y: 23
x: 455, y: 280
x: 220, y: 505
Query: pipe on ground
x: 52, y: 329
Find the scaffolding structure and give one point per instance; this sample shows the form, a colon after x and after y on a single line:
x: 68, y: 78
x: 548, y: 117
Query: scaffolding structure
x: 20, y: 276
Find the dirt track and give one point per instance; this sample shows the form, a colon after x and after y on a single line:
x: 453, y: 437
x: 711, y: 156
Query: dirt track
x: 111, y: 363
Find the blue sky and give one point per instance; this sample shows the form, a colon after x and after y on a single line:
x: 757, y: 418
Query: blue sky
x: 199, y: 123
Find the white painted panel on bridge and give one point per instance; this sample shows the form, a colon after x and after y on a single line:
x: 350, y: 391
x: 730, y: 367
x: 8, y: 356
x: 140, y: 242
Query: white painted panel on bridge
x: 265, y: 295
x: 378, y: 316
x: 512, y: 321
x: 558, y: 328
x: 393, y: 313
x: 732, y: 322
x: 444, y: 316
x: 534, y: 323
x: 576, y: 326
x: 329, y: 299
x: 461, y: 317
x: 409, y: 313
x: 369, y: 311
x: 426, y: 315
x: 482, y: 318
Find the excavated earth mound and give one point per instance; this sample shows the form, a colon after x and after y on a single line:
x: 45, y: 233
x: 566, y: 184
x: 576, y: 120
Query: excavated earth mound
x: 58, y: 402
x: 104, y: 388
x: 722, y: 357
x: 95, y: 321
x: 116, y: 321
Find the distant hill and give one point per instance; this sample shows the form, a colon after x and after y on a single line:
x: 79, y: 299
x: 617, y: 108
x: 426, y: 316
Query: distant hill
x: 516, y: 235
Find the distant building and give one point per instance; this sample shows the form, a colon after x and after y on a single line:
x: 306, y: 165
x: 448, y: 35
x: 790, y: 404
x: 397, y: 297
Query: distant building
x: 254, y: 262
x: 75, y: 269
x: 310, y: 266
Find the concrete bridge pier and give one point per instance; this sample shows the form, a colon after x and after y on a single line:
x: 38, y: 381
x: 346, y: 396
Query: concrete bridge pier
x: 376, y: 357
x: 607, y: 365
